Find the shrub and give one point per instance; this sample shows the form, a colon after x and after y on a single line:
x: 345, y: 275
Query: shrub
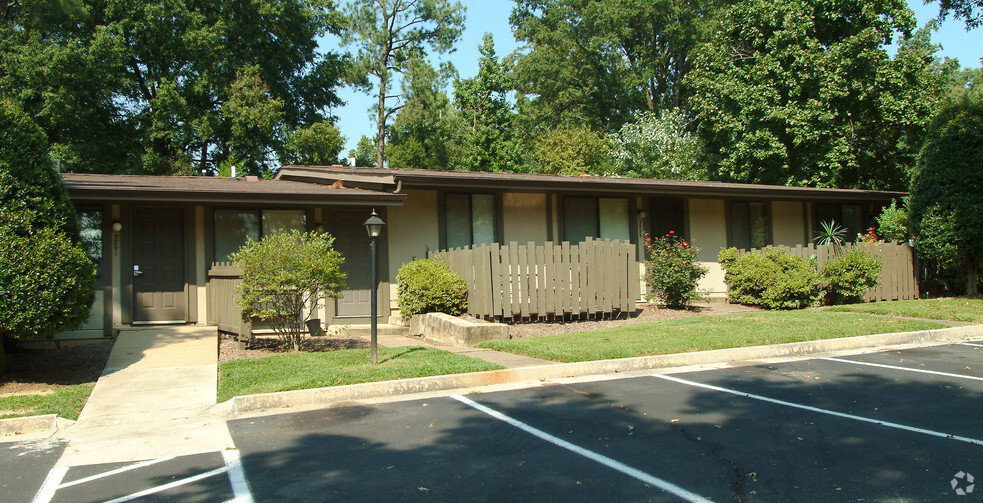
x: 46, y: 280
x: 849, y: 276
x: 892, y: 223
x: 430, y: 286
x: 772, y: 279
x: 672, y: 271
x: 283, y: 273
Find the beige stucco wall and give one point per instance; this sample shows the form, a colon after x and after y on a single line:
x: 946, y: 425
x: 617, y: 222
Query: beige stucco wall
x: 524, y: 218
x: 412, y: 230
x: 708, y: 232
x: 788, y: 223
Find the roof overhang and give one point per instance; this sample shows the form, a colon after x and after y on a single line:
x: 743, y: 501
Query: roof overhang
x: 521, y: 182
x: 213, y: 190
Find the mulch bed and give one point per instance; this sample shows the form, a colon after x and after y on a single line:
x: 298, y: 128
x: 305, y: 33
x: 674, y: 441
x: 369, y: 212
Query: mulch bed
x: 263, y: 346
x: 33, y: 371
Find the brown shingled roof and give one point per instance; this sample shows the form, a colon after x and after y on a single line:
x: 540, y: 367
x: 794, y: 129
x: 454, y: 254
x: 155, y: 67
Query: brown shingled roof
x: 216, y: 190
x: 421, y: 178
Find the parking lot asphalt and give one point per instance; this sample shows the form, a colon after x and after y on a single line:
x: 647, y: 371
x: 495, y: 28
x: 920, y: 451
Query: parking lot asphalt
x: 832, y: 431
x: 885, y: 426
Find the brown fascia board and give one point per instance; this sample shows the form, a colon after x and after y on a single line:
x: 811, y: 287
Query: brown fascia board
x: 103, y: 188
x: 520, y: 182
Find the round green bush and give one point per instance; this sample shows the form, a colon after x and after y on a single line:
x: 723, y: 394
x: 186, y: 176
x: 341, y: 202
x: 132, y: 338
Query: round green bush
x: 848, y: 277
x: 772, y: 279
x: 430, y: 286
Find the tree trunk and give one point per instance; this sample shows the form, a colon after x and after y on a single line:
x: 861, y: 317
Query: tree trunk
x: 382, y: 122
x: 3, y: 358
x: 971, y: 272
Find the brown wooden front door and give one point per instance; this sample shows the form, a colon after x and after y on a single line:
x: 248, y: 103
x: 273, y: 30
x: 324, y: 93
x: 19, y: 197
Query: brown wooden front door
x: 352, y: 241
x: 159, y: 287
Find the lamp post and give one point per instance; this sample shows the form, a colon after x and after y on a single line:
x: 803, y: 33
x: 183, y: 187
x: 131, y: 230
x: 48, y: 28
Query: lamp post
x: 374, y: 227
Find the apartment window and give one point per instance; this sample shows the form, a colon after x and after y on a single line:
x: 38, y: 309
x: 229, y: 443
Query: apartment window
x: 851, y: 217
x: 469, y: 219
x: 603, y: 218
x: 90, y: 234
x: 749, y: 224
x: 667, y: 215
x: 234, y: 227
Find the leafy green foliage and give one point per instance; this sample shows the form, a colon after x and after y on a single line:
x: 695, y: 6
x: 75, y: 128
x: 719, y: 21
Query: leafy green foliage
x: 963, y: 9
x: 673, y: 270
x: 772, y: 279
x: 316, y: 144
x: 488, y: 133
x: 597, y: 63
x: 364, y: 152
x: 421, y: 135
x: 830, y: 234
x: 46, y: 279
x: 946, y: 208
x: 430, y: 286
x: 657, y: 147
x: 389, y: 34
x: 849, y: 276
x: 892, y: 223
x: 158, y: 87
x: 283, y: 274
x: 570, y: 151
x: 803, y: 93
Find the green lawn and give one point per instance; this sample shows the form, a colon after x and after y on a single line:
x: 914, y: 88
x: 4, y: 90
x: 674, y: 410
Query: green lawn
x: 701, y: 333
x: 337, y: 368
x: 970, y: 310
x: 67, y: 402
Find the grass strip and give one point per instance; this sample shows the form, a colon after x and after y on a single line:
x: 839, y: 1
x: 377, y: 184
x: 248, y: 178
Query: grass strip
x: 337, y: 368
x: 701, y: 333
x: 67, y: 402
x: 956, y: 309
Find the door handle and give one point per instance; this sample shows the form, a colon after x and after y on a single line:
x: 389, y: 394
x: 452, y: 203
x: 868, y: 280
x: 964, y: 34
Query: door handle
x: 137, y: 271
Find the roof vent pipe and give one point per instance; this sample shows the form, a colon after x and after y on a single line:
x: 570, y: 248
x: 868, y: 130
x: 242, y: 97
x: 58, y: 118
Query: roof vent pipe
x: 232, y: 173
x: 352, y: 161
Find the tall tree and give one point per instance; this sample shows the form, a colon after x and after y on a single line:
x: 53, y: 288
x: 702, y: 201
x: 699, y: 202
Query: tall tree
x: 601, y: 61
x: 962, y: 9
x: 946, y: 208
x: 391, y: 33
x: 803, y: 92
x: 421, y: 135
x: 179, y: 80
x: 487, y: 131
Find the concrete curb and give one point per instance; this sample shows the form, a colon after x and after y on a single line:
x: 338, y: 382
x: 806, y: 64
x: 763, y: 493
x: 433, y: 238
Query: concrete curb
x: 47, y: 423
x: 326, y: 396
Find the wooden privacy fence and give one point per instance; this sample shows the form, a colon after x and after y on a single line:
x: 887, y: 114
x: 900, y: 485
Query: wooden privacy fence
x: 223, y: 311
x: 897, y: 280
x: 535, y: 281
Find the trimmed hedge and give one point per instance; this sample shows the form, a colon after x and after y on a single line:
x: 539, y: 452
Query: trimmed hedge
x: 430, y: 286
x: 772, y: 279
x: 849, y: 276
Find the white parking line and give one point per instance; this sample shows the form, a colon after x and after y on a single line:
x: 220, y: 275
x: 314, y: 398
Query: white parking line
x: 822, y: 411
x: 971, y: 344
x: 933, y: 372
x: 114, y: 472
x: 176, y: 483
x: 237, y: 476
x: 50, y: 485
x: 593, y: 456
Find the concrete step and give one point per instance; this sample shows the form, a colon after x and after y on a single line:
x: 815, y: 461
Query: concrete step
x: 366, y: 330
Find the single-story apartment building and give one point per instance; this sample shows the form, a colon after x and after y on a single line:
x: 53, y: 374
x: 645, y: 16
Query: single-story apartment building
x: 157, y: 240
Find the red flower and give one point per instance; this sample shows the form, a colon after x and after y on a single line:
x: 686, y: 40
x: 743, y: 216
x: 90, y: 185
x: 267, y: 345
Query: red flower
x: 685, y: 243
x: 672, y: 232
x: 648, y: 239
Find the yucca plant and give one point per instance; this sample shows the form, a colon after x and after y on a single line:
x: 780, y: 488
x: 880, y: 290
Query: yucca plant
x: 830, y: 234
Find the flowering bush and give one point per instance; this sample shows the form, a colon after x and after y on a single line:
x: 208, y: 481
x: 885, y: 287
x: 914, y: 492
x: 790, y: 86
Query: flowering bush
x: 672, y: 271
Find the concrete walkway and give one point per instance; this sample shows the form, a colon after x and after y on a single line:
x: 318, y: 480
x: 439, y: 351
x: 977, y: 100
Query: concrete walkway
x: 156, y: 398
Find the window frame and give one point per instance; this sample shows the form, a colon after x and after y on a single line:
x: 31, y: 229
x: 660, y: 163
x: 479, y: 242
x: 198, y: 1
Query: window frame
x: 495, y: 215
x: 769, y: 222
x: 562, y: 206
x: 305, y: 212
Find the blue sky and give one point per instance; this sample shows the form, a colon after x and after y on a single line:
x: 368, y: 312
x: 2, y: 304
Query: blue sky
x: 493, y: 16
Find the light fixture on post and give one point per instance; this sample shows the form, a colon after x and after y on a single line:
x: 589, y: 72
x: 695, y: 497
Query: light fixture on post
x: 374, y: 227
